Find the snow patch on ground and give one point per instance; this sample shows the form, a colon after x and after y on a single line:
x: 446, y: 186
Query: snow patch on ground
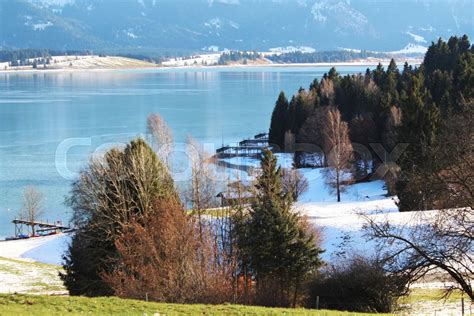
x: 41, y: 26
x: 417, y: 38
x: 411, y: 49
x: 292, y: 49
x: 204, y: 59
x: 131, y: 34
x: 340, y: 222
x: 352, y: 50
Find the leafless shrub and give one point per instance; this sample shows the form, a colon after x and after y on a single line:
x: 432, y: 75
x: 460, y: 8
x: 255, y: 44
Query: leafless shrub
x: 294, y: 183
x: 429, y: 242
x: 359, y: 284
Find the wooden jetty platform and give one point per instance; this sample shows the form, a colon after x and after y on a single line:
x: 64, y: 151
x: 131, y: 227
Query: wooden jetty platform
x: 246, y: 148
x: 41, y: 228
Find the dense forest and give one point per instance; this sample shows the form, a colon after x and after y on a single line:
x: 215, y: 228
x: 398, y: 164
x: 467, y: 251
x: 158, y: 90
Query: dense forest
x: 325, y: 56
x: 235, y: 56
x: 22, y: 57
x: 410, y: 126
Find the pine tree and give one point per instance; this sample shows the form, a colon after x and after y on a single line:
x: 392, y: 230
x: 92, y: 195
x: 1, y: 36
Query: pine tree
x: 281, y: 251
x: 278, y: 121
x: 420, y: 119
x: 301, y: 106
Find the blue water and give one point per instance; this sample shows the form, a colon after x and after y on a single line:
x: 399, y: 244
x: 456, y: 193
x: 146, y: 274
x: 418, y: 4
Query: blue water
x: 41, y: 111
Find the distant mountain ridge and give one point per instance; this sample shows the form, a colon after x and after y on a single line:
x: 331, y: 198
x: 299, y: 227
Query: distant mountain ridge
x: 379, y: 25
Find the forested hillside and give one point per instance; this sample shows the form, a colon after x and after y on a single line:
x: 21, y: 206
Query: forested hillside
x: 412, y: 126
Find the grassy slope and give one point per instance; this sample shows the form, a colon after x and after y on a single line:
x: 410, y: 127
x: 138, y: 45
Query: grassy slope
x: 29, y: 277
x: 59, y: 305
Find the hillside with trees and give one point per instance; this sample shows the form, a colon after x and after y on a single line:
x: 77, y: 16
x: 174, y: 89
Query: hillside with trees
x: 325, y: 56
x: 410, y: 126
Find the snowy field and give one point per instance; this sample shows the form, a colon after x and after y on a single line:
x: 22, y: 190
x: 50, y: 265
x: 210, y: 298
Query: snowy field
x: 71, y: 63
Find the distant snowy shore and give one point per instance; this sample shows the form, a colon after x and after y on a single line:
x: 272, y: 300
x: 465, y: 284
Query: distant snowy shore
x: 112, y: 63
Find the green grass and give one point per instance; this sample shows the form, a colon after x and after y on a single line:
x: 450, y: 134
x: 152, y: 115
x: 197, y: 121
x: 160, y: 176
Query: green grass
x: 425, y: 295
x: 18, y: 305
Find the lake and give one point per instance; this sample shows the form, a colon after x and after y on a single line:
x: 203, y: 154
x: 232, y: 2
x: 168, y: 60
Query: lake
x: 51, y: 123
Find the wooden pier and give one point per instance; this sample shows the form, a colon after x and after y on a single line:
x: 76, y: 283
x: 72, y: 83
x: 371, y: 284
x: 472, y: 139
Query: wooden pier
x: 245, y: 148
x: 43, y: 228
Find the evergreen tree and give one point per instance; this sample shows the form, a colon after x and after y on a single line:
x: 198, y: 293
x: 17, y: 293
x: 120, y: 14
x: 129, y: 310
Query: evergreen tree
x: 278, y: 121
x: 420, y: 119
x: 333, y: 74
x: 378, y: 74
x: 300, y: 108
x: 282, y: 253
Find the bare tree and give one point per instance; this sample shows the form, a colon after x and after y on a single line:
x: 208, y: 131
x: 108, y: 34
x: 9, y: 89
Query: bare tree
x: 202, y: 190
x: 32, y: 207
x: 431, y: 242
x: 338, y: 149
x: 163, y: 141
x: 327, y: 91
x: 294, y: 183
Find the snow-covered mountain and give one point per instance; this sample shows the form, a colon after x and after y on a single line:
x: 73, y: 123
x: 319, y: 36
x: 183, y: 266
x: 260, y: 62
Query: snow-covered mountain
x: 381, y: 25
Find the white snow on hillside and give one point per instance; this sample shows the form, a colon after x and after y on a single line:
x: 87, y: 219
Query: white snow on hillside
x: 352, y: 50
x: 212, y: 48
x: 417, y: 38
x: 41, y: 26
x: 292, y: 49
x: 339, y: 222
x: 131, y: 34
x: 52, y: 3
x: 204, y: 59
x: 411, y: 49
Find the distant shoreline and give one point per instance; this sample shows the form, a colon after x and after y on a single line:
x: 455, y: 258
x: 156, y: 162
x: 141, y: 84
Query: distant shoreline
x: 150, y: 66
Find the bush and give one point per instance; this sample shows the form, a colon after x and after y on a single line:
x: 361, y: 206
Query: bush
x: 163, y: 259
x: 360, y: 285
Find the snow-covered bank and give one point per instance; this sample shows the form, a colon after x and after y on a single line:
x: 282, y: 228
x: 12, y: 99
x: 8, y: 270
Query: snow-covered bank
x: 107, y: 64
x: 80, y: 63
x: 48, y: 249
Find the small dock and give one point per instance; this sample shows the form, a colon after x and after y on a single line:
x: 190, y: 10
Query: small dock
x: 252, y: 147
x: 40, y: 228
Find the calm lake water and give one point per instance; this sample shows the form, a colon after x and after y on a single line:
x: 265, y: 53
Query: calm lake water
x: 42, y: 114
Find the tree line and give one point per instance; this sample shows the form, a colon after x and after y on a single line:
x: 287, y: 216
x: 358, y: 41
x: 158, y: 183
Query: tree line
x: 235, y: 56
x: 21, y: 57
x: 325, y: 56
x: 389, y: 123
